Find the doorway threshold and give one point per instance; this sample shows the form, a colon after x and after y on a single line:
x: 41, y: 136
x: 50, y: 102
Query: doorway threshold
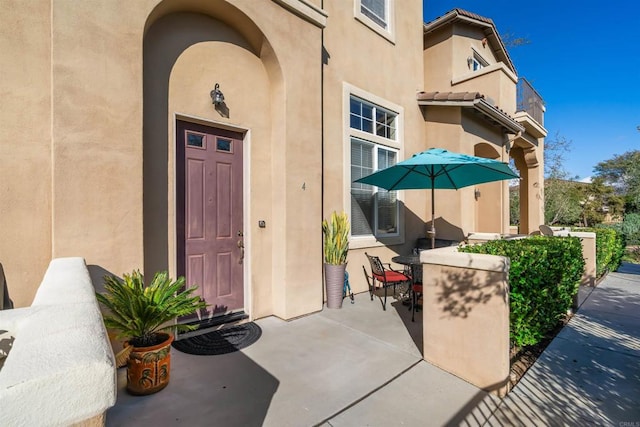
x: 214, y: 323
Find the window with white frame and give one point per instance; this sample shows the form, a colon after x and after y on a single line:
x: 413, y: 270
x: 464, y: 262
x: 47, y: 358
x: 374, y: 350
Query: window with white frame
x: 371, y: 118
x: 377, y: 11
x: 476, y: 62
x: 374, y: 211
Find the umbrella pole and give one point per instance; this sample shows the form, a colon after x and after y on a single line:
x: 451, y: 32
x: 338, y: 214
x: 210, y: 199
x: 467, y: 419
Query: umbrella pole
x: 433, y: 216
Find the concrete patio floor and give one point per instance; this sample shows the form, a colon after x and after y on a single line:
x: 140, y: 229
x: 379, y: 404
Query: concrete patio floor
x: 361, y: 366
x: 358, y: 365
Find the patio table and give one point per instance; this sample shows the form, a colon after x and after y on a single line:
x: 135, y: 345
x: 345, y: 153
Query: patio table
x: 413, y: 262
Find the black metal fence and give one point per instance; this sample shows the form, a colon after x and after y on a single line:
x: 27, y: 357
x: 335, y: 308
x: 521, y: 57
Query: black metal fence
x: 529, y: 101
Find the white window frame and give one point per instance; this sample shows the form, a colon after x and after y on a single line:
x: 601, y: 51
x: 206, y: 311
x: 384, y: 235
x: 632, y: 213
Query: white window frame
x: 388, y: 32
x: 395, y: 145
x: 375, y: 150
x: 476, y: 62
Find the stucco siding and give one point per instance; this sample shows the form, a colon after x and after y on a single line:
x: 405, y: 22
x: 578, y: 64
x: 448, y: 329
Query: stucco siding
x: 359, y: 58
x: 25, y: 140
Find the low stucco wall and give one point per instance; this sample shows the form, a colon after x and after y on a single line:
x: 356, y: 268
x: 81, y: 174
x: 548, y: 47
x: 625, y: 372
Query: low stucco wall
x: 466, y: 316
x: 60, y: 369
x: 588, y: 240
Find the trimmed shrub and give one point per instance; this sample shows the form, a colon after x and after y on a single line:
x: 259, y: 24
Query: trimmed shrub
x: 630, y: 228
x: 609, y: 248
x: 544, y: 276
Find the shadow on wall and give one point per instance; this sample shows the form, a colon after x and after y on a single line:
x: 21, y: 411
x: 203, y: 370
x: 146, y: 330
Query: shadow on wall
x: 230, y: 390
x: 593, y: 360
x: 462, y: 289
x: 448, y: 230
x: 97, y: 274
x: 417, y: 227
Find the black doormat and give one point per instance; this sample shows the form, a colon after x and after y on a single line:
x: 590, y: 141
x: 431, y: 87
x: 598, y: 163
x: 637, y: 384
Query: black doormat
x: 222, y: 341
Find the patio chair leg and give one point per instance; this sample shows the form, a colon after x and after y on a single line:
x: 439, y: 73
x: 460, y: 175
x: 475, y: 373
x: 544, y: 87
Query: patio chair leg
x: 384, y: 304
x: 413, y: 305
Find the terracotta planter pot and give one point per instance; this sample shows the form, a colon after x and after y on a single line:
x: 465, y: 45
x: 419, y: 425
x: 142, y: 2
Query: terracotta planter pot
x: 148, y: 368
x: 334, y: 282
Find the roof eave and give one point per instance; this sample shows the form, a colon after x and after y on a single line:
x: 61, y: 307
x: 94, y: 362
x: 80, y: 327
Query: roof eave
x: 483, y: 107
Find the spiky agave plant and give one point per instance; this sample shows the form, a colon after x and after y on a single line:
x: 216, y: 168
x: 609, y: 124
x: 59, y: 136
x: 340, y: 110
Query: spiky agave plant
x: 336, y: 238
x: 140, y: 313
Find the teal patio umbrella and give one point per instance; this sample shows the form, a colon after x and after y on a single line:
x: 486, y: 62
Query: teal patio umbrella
x: 438, y: 168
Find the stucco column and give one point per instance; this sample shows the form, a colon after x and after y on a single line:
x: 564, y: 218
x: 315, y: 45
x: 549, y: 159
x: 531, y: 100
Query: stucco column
x: 531, y: 184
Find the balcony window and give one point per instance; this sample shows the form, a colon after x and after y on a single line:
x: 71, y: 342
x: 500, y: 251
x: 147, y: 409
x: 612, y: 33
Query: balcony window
x: 376, y: 10
x: 476, y: 61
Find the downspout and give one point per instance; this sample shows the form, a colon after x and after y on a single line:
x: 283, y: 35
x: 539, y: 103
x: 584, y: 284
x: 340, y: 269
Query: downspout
x: 322, y: 148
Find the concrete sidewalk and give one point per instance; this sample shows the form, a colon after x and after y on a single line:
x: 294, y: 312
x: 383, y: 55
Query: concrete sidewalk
x: 361, y: 366
x: 590, y: 373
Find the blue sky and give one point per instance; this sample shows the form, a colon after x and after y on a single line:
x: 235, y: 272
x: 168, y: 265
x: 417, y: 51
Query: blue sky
x: 584, y: 59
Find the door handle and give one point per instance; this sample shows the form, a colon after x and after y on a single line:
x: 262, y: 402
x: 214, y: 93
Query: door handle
x: 241, y: 247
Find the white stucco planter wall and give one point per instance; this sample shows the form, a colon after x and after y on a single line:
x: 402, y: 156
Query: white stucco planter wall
x: 61, y: 368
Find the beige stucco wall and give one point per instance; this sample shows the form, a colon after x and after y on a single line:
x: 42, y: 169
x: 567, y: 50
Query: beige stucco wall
x: 588, y: 242
x: 466, y: 316
x: 438, y: 60
x: 263, y: 89
x: 393, y: 72
x: 96, y: 133
x: 77, y: 97
x: 25, y: 140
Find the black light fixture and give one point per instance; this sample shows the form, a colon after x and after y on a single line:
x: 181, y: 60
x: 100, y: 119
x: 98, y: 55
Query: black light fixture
x: 217, y: 97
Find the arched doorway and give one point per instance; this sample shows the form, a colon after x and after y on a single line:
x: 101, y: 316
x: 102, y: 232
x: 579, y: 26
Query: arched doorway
x: 185, y: 55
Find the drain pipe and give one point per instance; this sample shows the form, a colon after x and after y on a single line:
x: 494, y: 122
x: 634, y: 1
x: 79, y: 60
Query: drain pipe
x: 322, y: 147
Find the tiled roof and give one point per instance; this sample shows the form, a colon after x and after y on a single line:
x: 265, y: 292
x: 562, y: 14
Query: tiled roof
x: 474, y: 100
x: 466, y: 13
x: 449, y: 96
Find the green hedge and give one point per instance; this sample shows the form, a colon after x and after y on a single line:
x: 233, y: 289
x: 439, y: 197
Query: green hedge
x: 609, y: 248
x: 544, y: 276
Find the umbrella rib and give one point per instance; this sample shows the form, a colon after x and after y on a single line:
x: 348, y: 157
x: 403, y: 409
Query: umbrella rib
x: 496, y: 170
x: 399, y: 180
x: 446, y: 172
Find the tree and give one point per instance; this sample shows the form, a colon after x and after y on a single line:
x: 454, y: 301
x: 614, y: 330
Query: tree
x: 510, y: 40
x: 514, y: 206
x: 597, y: 200
x: 562, y: 202
x: 623, y: 173
x: 561, y: 195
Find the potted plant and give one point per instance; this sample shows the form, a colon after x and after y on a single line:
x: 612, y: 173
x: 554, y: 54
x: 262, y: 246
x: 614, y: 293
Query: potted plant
x: 144, y: 316
x: 336, y: 247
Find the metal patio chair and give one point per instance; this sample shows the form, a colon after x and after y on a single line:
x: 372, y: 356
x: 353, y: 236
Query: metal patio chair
x: 382, y: 277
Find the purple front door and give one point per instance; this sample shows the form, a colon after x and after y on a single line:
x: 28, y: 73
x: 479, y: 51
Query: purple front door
x: 209, y: 215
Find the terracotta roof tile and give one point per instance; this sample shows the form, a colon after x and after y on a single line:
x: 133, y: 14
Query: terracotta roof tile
x: 449, y: 96
x: 474, y: 16
x: 462, y: 12
x: 471, y: 99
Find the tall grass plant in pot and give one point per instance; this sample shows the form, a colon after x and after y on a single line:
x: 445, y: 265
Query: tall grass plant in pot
x: 144, y: 316
x: 336, y: 248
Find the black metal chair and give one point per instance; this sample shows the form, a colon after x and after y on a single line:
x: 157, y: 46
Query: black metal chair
x: 416, y: 293
x: 385, y: 277
x: 414, y: 272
